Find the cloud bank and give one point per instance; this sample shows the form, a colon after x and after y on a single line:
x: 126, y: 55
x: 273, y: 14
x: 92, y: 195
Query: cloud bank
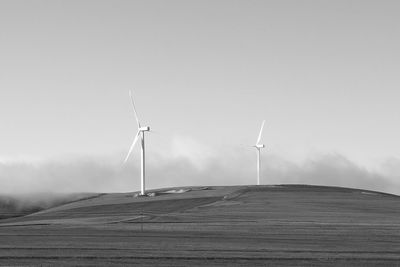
x: 188, y: 163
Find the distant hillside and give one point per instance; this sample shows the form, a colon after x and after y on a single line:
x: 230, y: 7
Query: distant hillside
x: 276, y: 202
x: 21, y: 205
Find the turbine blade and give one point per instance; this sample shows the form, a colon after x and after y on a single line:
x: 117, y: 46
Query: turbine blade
x: 134, y: 109
x: 132, y: 146
x: 259, y: 135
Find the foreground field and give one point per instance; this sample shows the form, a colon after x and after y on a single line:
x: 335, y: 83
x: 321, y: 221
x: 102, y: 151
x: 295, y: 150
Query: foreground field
x: 287, y: 225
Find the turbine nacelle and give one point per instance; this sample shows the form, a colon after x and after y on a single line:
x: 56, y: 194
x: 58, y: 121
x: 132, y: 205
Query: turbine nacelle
x: 144, y: 129
x: 260, y: 146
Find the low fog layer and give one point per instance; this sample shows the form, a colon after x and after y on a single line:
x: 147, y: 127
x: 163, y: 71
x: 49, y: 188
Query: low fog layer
x: 204, y: 167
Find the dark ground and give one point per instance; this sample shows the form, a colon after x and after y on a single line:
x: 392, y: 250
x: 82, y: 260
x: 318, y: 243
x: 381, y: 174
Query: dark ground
x: 288, y: 225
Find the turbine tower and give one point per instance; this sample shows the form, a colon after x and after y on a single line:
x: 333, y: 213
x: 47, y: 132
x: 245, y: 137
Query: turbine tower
x: 140, y: 133
x: 258, y: 146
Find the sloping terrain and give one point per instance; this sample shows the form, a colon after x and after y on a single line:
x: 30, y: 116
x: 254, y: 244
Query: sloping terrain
x: 283, y: 225
x: 20, y: 205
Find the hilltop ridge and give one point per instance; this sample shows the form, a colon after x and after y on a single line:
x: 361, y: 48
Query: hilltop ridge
x: 300, y: 201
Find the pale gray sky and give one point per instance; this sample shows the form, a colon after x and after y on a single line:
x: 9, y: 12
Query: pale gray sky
x: 323, y: 74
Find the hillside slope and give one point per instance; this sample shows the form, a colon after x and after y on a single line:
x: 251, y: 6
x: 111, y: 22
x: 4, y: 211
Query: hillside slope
x: 25, y: 204
x: 243, y: 225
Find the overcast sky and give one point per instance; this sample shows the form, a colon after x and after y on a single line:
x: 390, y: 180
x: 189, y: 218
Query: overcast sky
x: 323, y: 74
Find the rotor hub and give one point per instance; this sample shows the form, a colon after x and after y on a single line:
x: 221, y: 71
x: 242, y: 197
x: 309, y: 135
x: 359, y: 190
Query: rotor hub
x: 144, y: 129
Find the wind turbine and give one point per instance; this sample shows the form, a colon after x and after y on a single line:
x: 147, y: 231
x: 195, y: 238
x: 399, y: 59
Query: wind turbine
x: 140, y: 133
x: 258, y: 146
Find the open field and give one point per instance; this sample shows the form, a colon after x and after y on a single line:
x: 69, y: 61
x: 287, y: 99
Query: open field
x: 287, y: 225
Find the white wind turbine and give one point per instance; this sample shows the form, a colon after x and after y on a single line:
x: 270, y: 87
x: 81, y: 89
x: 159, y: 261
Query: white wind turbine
x: 259, y: 146
x: 140, y: 133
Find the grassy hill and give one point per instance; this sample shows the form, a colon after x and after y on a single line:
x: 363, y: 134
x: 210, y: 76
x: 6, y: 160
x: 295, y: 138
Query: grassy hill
x: 21, y: 205
x: 282, y: 225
